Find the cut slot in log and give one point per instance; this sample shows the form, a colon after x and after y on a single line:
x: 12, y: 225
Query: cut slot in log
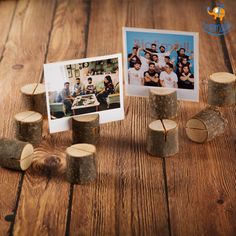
x: 15, y: 154
x: 206, y: 125
x: 36, y: 97
x: 163, y: 103
x: 81, y: 167
x: 162, y: 138
x: 29, y: 127
x: 221, y: 89
x: 85, y: 129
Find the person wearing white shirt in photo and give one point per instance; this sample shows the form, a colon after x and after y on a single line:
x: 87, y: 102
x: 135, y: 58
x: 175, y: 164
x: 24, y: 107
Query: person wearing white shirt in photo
x: 161, y: 55
x: 168, y: 78
x: 158, y: 66
x: 145, y: 60
x: 135, y: 74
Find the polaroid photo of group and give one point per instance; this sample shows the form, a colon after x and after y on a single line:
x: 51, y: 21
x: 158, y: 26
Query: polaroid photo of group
x: 152, y: 58
x: 163, y: 59
x: 83, y: 86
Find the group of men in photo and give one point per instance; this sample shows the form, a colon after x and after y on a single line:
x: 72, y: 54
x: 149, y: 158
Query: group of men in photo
x: 156, y: 68
x: 67, y: 96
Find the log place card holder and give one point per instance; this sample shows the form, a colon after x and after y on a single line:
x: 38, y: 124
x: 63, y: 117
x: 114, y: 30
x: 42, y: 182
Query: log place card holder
x: 162, y: 134
x: 210, y: 122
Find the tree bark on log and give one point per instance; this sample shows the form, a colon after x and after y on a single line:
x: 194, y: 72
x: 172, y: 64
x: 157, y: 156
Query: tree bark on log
x: 16, y: 155
x: 222, y: 89
x: 35, y: 96
x: 163, y: 103
x: 29, y: 127
x: 85, y: 129
x: 81, y: 166
x: 162, y: 138
x: 206, y: 125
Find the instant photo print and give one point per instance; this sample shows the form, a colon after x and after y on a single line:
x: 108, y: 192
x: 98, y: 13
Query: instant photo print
x: 84, y: 86
x: 161, y: 59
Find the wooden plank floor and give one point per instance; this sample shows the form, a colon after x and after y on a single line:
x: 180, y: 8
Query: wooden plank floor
x: 192, y: 193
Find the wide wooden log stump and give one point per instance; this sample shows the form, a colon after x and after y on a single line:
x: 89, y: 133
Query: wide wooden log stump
x: 15, y: 154
x: 221, y: 89
x: 29, y: 127
x: 206, y: 125
x: 85, y: 129
x: 36, y: 97
x: 81, y: 166
x: 162, y: 138
x: 163, y: 103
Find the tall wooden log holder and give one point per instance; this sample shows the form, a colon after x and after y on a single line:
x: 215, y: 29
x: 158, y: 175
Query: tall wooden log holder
x: 163, y: 103
x: 35, y: 96
x: 85, y: 129
x: 222, y: 89
x: 29, y: 127
x: 162, y: 138
x: 81, y: 166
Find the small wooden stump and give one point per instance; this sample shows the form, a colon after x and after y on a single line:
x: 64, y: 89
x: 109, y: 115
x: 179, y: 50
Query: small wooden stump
x: 221, y: 89
x: 15, y: 154
x: 206, y: 125
x: 162, y: 138
x: 85, y: 129
x: 36, y: 96
x: 163, y: 103
x: 29, y: 127
x: 81, y: 163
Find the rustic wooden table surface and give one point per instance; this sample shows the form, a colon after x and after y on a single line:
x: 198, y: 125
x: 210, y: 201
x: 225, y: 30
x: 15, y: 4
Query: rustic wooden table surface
x: 191, y: 193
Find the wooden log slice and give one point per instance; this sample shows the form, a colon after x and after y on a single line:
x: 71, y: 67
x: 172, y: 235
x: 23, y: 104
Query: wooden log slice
x: 29, y: 127
x: 85, y: 129
x: 15, y: 154
x: 222, y: 89
x: 81, y: 166
x: 163, y: 103
x: 36, y: 97
x: 162, y: 138
x: 206, y: 125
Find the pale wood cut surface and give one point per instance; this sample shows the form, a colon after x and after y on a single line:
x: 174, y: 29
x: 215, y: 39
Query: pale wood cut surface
x: 192, y: 193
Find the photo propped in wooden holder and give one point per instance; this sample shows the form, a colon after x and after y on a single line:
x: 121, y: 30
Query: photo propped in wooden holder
x: 82, y: 87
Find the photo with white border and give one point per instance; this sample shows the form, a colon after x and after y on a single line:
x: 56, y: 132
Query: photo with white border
x: 84, y: 86
x: 161, y: 59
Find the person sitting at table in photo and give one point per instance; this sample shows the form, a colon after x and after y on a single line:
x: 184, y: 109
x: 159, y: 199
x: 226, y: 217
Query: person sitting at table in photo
x: 168, y: 78
x: 135, y: 74
x: 183, y: 62
x: 155, y: 60
x: 107, y: 90
x: 133, y: 57
x: 151, y: 76
x: 186, y: 79
x: 66, y: 97
x: 78, y: 88
x: 90, y: 87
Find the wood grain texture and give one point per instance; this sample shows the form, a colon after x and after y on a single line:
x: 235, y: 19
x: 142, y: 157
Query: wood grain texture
x: 45, y: 191
x: 230, y: 37
x: 21, y: 63
x: 128, y: 197
x: 201, y: 179
x: 7, y: 9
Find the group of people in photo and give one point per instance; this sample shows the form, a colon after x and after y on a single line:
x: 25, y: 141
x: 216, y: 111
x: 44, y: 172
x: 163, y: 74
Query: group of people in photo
x: 156, y: 68
x: 69, y: 93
